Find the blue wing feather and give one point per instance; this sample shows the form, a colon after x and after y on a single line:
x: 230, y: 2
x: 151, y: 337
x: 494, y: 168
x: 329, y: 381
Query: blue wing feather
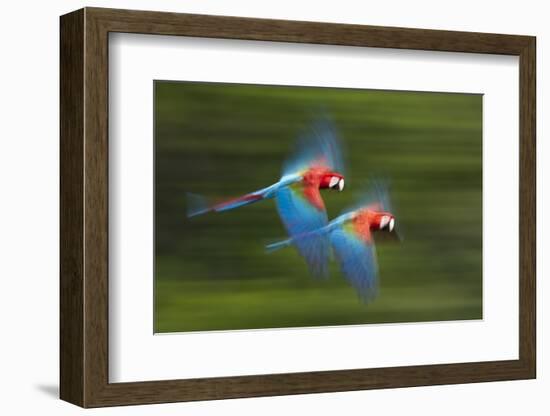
x: 357, y: 260
x: 319, y: 143
x: 301, y: 219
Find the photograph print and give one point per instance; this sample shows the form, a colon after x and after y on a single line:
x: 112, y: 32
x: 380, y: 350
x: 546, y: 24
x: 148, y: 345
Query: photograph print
x: 292, y: 206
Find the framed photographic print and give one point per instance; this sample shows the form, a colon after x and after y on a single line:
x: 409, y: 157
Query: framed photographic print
x: 255, y: 207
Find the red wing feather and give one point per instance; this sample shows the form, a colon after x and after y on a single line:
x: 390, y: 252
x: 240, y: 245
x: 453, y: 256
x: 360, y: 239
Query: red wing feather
x: 313, y: 196
x: 361, y: 226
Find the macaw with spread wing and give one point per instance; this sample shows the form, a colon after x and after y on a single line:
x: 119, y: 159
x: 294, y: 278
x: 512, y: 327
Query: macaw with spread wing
x: 351, y: 236
x: 316, y: 164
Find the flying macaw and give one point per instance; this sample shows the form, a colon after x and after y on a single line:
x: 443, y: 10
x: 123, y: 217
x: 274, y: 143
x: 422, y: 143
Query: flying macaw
x: 351, y: 236
x: 316, y: 164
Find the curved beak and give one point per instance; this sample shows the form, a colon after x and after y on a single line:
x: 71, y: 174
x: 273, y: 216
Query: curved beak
x: 336, y: 183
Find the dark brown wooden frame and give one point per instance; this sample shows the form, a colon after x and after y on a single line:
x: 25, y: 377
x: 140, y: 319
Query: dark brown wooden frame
x: 84, y: 214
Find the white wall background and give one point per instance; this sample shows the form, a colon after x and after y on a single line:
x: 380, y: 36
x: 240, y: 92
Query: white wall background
x: 29, y: 85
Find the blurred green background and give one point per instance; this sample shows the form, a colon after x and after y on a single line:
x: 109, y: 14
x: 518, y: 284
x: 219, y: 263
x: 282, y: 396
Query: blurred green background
x: 225, y: 140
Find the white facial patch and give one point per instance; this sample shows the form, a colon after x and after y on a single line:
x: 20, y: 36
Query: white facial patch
x: 384, y: 221
x: 333, y: 181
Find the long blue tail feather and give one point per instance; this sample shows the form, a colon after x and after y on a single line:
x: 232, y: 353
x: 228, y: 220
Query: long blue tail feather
x: 196, y: 205
x: 278, y: 245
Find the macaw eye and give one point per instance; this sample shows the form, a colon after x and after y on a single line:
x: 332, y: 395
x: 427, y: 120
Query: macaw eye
x: 333, y: 182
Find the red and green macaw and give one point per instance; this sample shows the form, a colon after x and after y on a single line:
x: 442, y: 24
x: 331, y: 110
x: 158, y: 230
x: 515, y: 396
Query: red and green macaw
x: 351, y: 236
x: 316, y: 164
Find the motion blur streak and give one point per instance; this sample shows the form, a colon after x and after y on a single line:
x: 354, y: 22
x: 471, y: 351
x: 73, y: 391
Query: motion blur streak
x: 223, y: 140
